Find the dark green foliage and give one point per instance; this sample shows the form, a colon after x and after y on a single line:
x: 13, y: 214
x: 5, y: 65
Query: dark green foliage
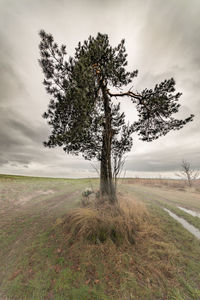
x: 155, y: 111
x: 76, y: 110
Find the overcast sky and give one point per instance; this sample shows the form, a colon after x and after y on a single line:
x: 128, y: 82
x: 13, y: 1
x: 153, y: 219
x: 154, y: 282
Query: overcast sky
x: 162, y: 41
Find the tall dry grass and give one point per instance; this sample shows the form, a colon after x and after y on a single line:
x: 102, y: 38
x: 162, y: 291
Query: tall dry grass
x: 168, y: 183
x: 102, y: 222
x: 126, y: 240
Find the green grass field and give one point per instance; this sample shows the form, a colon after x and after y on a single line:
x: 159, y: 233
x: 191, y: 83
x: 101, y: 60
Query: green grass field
x: 38, y: 262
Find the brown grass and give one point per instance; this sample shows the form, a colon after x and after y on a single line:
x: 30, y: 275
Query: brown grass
x: 181, y: 185
x: 138, y: 250
x: 104, y: 222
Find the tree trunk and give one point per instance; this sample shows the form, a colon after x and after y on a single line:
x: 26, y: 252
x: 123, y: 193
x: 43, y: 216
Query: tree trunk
x: 189, y: 179
x: 106, y: 180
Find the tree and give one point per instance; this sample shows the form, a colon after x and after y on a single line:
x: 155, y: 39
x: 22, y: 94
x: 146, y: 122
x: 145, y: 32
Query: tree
x: 81, y: 114
x: 187, y: 172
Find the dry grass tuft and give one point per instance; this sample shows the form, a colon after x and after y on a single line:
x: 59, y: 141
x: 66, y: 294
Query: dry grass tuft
x: 120, y: 246
x: 104, y: 222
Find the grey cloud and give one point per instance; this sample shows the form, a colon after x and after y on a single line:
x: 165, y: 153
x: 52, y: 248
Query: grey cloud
x: 10, y: 82
x: 163, y: 41
x: 30, y: 131
x: 20, y: 139
x: 163, y: 161
x: 7, y: 141
x: 3, y: 161
x: 21, y: 126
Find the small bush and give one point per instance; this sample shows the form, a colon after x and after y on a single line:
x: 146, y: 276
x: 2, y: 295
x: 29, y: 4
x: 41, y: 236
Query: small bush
x: 85, y: 200
x: 87, y: 192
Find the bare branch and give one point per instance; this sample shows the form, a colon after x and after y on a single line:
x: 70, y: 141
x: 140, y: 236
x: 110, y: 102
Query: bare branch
x: 129, y: 93
x: 96, y: 168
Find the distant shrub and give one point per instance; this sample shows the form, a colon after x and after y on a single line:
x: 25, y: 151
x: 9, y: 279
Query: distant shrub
x: 87, y: 192
x: 85, y: 201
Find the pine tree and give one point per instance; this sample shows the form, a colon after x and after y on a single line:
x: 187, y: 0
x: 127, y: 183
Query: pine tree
x: 81, y: 114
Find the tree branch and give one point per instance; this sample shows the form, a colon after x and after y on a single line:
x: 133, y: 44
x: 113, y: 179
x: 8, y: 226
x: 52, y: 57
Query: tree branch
x: 129, y: 93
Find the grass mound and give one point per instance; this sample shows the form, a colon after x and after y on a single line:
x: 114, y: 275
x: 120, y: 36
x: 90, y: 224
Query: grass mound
x: 104, y: 222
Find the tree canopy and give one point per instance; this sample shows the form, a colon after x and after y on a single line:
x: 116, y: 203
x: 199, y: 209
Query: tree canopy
x: 81, y: 113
